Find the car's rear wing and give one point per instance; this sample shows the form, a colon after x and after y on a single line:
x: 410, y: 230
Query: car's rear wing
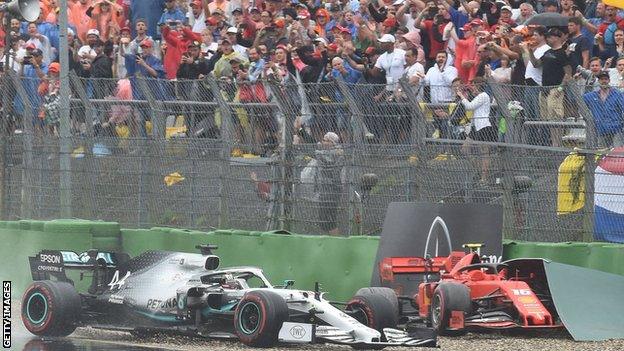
x: 54, y: 263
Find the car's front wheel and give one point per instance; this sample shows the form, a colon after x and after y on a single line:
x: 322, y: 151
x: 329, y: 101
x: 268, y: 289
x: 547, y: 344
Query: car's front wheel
x: 50, y: 308
x: 259, y: 317
x: 447, y: 298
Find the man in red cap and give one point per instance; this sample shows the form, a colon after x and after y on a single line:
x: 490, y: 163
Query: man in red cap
x: 197, y: 16
x: 466, y: 57
x: 49, y: 90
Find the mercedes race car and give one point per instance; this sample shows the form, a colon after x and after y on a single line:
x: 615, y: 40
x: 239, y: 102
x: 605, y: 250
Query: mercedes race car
x: 460, y: 291
x: 188, y: 293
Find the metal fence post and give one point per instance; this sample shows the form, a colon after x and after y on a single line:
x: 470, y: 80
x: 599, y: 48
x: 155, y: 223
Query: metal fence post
x: 286, y: 106
x: 507, y: 158
x: 590, y: 167
x: 89, y: 110
x: 65, y: 187
x: 148, y: 155
x: 417, y: 139
x: 27, y: 153
x: 357, y: 123
x: 226, y: 149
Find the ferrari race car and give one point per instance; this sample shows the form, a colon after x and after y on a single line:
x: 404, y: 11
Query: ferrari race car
x: 460, y: 291
x: 188, y: 293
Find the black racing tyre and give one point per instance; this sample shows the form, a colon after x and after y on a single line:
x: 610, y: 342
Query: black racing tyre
x: 374, y: 311
x: 385, y: 292
x: 51, y: 308
x: 259, y: 317
x: 449, y: 297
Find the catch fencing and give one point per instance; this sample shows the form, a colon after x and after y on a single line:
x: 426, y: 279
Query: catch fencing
x: 217, y: 153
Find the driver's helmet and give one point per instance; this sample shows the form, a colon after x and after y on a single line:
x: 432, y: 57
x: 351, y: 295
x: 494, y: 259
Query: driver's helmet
x: 232, y: 284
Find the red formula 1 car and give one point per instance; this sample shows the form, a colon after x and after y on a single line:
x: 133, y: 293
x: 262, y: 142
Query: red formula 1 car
x: 460, y: 291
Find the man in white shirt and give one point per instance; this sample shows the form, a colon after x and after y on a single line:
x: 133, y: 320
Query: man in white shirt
x: 41, y: 42
x: 232, y: 33
x: 196, y: 16
x: 414, y: 70
x: 533, y: 76
x: 440, y: 77
x: 391, y: 62
x: 535, y: 73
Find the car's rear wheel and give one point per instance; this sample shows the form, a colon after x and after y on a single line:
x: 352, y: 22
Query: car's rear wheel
x: 447, y: 298
x: 50, y: 308
x: 259, y: 317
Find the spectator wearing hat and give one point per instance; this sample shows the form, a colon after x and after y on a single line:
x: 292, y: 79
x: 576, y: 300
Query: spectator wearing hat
x: 252, y: 90
x: 391, y: 64
x: 177, y: 43
x: 140, y: 28
x: 49, y: 89
x: 86, y: 51
x: 119, y: 63
x: 607, y: 109
x: 77, y: 16
x: 246, y: 27
x: 555, y: 61
x: 193, y: 65
x: 466, y: 57
x: 271, y: 34
x: 335, y: 16
x: 146, y: 63
x: 32, y: 70
x: 171, y: 14
x: 222, y: 6
x: 101, y: 70
x: 197, y: 15
x: 106, y: 17
x: 330, y: 159
x: 232, y: 34
x: 41, y: 42
x: 223, y: 67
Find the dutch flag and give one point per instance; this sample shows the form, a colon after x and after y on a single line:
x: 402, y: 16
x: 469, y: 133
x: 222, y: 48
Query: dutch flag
x: 609, y: 197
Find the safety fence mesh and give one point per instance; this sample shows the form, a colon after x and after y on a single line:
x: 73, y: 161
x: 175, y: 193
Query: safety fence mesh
x: 215, y: 153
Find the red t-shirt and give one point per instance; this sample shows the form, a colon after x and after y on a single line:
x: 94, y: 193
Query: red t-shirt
x: 466, y: 49
x: 435, y: 45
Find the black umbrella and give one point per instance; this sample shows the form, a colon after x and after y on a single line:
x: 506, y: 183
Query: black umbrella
x: 548, y: 19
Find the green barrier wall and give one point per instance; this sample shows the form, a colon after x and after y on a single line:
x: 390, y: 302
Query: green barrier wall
x: 341, y: 265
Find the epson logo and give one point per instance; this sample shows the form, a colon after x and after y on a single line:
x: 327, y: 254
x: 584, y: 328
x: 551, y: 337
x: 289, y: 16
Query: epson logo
x: 50, y: 258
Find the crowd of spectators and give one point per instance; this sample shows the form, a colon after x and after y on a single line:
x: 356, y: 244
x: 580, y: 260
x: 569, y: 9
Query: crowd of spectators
x: 377, y: 43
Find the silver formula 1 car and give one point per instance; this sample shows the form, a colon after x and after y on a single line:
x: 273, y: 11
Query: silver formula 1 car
x: 187, y: 293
